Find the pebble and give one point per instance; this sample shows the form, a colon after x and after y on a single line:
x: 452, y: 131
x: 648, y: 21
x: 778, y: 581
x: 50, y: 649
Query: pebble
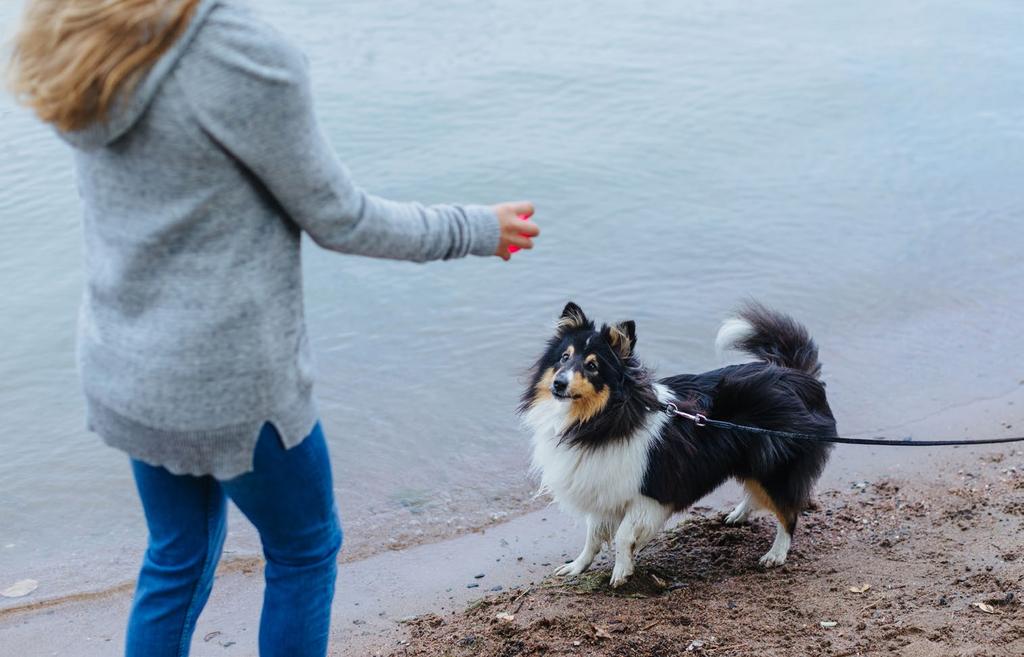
x: 497, y: 588
x: 480, y: 576
x: 472, y: 586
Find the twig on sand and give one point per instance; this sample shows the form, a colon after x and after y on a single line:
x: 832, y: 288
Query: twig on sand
x: 650, y: 625
x: 521, y: 600
x: 870, y: 606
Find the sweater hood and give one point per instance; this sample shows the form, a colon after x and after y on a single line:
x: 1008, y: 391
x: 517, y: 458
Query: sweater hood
x: 127, y: 111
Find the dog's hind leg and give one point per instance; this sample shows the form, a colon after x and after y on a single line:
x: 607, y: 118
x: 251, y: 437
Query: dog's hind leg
x: 599, y: 530
x: 776, y: 556
x: 643, y: 520
x: 776, y: 498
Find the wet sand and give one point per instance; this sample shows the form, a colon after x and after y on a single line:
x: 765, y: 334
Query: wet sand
x: 952, y: 510
x: 913, y: 568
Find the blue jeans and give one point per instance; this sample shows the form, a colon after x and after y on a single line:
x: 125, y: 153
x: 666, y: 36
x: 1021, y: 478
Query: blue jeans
x: 289, y: 497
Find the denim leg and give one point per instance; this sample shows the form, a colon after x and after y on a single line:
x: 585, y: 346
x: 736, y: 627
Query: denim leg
x: 186, y: 520
x: 289, y: 497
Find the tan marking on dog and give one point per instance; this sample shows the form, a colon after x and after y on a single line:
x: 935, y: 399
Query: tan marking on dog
x: 571, y: 351
x: 619, y: 341
x: 572, y: 321
x: 542, y: 390
x: 764, y: 500
x: 592, y: 358
x: 587, y: 401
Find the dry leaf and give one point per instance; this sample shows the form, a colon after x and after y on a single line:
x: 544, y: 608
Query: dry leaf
x: 860, y: 589
x: 602, y: 633
x: 985, y: 607
x: 659, y: 582
x: 505, y: 617
x: 19, y: 589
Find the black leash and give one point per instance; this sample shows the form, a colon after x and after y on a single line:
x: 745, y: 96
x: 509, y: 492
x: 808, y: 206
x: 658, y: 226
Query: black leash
x: 702, y: 420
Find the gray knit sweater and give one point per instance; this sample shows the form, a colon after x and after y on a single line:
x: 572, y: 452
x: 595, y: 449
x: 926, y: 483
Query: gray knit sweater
x: 195, y: 194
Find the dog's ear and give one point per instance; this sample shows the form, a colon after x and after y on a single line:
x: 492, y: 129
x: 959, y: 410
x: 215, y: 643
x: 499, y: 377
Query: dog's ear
x: 622, y: 337
x: 572, y: 318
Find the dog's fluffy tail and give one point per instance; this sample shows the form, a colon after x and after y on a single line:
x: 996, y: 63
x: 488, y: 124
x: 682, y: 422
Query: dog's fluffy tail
x: 771, y: 337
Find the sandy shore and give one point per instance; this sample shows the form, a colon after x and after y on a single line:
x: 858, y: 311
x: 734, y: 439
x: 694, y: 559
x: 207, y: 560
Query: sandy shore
x: 931, y: 531
x: 910, y: 568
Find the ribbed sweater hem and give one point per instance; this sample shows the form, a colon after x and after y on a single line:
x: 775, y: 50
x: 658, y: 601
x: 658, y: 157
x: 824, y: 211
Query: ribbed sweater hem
x: 224, y: 453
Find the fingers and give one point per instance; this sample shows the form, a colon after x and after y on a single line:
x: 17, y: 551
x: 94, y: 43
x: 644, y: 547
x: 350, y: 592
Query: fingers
x: 516, y: 230
x: 528, y: 228
x: 521, y: 241
x: 524, y: 208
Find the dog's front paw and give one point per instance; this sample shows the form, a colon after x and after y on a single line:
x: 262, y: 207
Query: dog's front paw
x: 773, y: 559
x: 736, y: 517
x: 621, y: 574
x: 572, y: 568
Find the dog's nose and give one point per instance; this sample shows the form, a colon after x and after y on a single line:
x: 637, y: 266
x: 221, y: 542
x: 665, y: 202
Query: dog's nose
x: 560, y: 385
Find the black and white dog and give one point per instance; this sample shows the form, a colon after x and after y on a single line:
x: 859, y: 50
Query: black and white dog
x: 606, y: 449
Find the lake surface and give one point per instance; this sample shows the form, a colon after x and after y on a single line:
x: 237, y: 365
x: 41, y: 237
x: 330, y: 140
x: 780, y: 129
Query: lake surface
x: 855, y: 164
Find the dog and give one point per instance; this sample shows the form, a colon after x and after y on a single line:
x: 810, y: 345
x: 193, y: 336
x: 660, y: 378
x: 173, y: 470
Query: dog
x: 606, y: 448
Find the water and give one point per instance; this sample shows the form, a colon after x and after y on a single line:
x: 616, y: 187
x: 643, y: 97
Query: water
x: 855, y: 164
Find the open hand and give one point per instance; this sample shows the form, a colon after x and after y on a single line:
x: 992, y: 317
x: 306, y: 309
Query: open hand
x: 515, y: 231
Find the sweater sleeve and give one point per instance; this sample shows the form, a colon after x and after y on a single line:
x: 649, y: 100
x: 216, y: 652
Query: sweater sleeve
x: 250, y: 91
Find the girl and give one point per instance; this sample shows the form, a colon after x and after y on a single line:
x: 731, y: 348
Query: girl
x: 200, y: 164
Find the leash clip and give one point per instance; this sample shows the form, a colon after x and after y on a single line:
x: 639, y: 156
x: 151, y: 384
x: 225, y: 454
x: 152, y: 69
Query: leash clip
x: 699, y: 419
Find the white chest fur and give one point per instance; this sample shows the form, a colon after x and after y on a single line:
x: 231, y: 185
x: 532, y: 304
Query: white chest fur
x: 591, y: 481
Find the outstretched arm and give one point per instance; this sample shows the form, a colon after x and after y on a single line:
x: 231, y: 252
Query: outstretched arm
x: 250, y: 91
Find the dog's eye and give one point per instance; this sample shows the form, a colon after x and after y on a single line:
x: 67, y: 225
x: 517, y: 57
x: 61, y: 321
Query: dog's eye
x: 592, y: 366
x: 565, y: 357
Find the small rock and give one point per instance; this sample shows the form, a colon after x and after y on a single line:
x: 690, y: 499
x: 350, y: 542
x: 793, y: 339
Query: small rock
x: 472, y: 586
x: 497, y: 588
x: 695, y: 645
x: 20, y: 589
x: 480, y: 576
x: 1001, y: 599
x: 828, y: 625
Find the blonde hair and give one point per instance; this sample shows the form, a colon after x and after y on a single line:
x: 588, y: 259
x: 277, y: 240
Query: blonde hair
x: 73, y: 59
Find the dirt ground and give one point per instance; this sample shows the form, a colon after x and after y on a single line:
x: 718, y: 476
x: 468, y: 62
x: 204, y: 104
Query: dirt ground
x: 886, y: 567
